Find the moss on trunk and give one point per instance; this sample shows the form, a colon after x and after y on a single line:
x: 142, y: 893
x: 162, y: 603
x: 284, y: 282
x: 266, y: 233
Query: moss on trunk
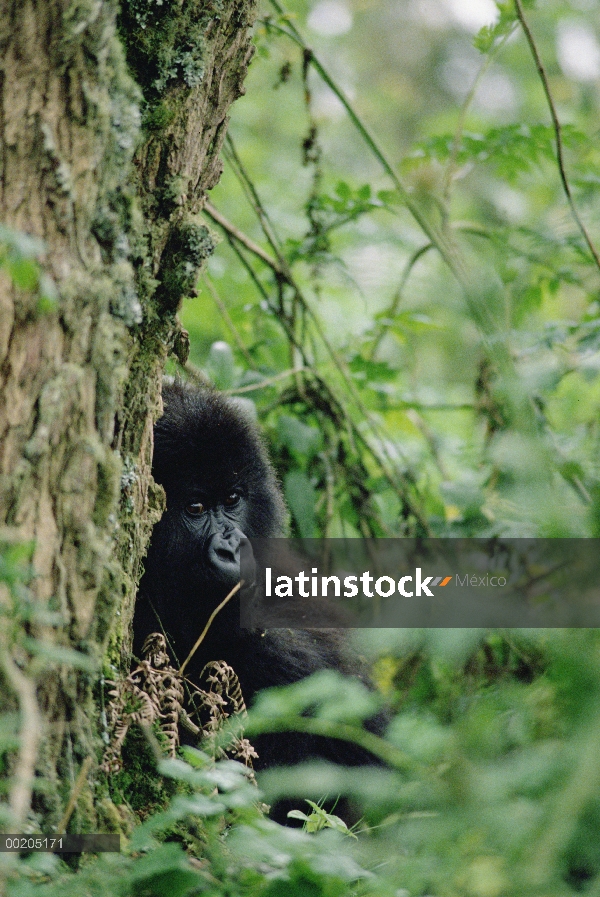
x: 111, y: 174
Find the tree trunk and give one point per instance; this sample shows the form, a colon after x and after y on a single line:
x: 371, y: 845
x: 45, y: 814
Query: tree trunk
x: 107, y: 146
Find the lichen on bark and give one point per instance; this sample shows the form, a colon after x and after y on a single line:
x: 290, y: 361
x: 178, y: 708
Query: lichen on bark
x: 184, y: 117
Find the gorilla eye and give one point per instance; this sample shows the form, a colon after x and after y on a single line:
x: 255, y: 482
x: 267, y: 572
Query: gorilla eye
x: 231, y: 500
x: 195, y: 509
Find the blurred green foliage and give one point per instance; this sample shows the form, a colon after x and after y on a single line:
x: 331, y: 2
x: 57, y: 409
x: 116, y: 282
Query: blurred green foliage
x: 431, y: 318
x: 422, y: 344
x: 490, y: 786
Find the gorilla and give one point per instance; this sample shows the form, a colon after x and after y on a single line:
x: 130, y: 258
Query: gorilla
x: 221, y: 489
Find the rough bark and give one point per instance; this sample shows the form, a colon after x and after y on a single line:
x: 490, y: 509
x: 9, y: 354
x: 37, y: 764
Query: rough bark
x: 111, y: 176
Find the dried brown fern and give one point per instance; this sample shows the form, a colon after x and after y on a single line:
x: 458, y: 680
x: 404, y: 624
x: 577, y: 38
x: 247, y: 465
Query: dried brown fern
x: 156, y: 691
x: 222, y: 699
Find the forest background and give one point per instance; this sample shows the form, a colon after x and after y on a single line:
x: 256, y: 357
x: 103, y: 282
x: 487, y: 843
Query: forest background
x: 418, y: 424
x: 406, y: 294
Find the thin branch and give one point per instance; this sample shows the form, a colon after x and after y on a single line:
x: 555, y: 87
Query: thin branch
x: 435, y: 406
x: 202, y: 635
x: 329, y: 491
x: 430, y: 438
x: 194, y: 373
x: 268, y: 381
x: 280, y: 317
x: 188, y: 685
x: 261, y: 212
x: 557, y: 132
x: 239, y: 235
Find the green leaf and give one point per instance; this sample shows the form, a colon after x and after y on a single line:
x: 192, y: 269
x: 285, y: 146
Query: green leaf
x: 389, y: 197
x: 297, y: 814
x: 328, y: 693
x: 365, y: 369
x: 24, y: 272
x: 165, y: 871
x: 301, y: 497
x: 424, y: 739
x: 196, y: 758
x: 320, y: 819
x: 343, y: 190
x: 302, y: 440
x: 489, y: 35
x: 512, y: 149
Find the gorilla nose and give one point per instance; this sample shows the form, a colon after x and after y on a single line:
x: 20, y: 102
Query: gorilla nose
x: 224, y: 556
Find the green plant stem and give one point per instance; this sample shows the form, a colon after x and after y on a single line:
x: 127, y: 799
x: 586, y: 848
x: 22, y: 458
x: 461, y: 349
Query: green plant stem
x: 560, y: 156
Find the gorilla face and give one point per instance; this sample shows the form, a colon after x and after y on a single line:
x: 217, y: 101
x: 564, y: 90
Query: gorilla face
x: 203, y: 533
x: 220, y: 489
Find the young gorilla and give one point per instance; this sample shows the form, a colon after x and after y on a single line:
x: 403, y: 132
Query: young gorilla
x: 221, y: 488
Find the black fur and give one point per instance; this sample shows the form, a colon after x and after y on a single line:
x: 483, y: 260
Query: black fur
x: 206, y: 451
